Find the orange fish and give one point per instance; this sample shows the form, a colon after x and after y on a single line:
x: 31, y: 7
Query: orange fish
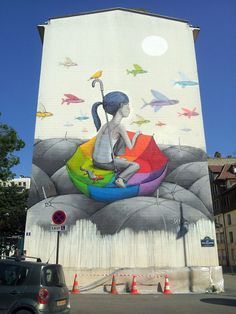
x: 160, y: 124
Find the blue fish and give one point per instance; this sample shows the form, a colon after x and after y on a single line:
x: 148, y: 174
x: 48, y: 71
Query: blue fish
x: 82, y: 117
x: 68, y: 124
x: 186, y: 129
x: 159, y: 101
x: 184, y: 81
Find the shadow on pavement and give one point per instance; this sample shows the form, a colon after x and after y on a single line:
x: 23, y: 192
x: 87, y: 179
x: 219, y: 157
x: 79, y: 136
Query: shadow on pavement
x: 220, y: 301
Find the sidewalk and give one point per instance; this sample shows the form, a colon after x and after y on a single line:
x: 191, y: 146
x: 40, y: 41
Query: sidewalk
x: 210, y: 303
x: 230, y: 284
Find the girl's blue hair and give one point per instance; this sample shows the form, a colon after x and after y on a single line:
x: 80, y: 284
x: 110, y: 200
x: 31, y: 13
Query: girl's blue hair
x: 111, y: 104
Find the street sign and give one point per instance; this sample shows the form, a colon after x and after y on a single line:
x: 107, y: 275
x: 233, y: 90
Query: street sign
x: 59, y: 217
x: 207, y: 242
x: 59, y: 228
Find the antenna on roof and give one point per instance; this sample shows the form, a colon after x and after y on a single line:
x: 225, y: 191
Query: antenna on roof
x: 50, y: 255
x: 140, y: 9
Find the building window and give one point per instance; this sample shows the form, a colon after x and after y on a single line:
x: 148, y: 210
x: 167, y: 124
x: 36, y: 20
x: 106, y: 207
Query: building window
x: 223, y: 255
x: 231, y: 237
x: 229, y: 219
x: 222, y: 237
x: 227, y: 202
x: 232, y: 256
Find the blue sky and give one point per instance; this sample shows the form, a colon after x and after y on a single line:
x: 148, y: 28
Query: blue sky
x: 21, y: 48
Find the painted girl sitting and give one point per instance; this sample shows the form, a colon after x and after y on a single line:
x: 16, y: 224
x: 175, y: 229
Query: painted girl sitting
x: 117, y: 104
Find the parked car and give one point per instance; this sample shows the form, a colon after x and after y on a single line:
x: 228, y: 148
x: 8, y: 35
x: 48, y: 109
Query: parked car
x: 28, y: 287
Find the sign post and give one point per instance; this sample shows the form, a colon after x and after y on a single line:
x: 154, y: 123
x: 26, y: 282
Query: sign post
x: 57, y: 251
x: 58, y: 218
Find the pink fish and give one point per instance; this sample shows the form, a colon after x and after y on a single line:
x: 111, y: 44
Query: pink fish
x: 188, y: 112
x: 71, y: 99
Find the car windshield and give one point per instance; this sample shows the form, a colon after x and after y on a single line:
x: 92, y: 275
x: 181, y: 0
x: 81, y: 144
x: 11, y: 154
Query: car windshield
x: 11, y: 275
x: 53, y: 276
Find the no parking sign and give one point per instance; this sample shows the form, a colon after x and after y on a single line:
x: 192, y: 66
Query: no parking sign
x: 59, y: 217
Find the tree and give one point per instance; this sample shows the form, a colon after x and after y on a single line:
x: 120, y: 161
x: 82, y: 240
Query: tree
x: 9, y: 143
x: 217, y: 155
x: 13, y: 202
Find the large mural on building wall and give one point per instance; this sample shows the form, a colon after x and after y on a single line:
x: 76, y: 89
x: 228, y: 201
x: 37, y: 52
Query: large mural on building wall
x: 119, y: 140
x: 98, y: 168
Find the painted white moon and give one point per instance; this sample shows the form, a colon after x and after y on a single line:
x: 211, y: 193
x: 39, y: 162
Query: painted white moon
x: 154, y: 45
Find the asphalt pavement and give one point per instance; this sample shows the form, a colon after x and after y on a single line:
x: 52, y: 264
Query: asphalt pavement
x: 208, y: 303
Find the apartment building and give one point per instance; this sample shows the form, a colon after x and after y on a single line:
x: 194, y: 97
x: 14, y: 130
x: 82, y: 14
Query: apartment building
x: 110, y: 57
x: 223, y: 186
x: 22, y: 182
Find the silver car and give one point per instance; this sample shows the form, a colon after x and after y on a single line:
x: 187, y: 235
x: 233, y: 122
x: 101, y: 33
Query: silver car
x: 32, y: 287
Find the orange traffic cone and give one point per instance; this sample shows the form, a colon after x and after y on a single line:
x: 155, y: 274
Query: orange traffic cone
x: 113, y: 286
x: 134, y: 289
x: 167, y: 286
x: 75, y: 289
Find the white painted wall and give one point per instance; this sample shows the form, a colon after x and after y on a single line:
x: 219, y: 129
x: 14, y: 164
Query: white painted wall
x: 113, y: 42
x: 84, y: 247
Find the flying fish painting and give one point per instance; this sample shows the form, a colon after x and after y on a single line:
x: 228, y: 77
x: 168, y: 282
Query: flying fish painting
x: 160, y: 124
x: 82, y: 117
x: 140, y: 120
x: 68, y: 124
x: 186, y: 129
x: 159, y: 101
x: 136, y: 70
x: 68, y: 63
x: 71, y: 99
x: 185, y: 81
x: 43, y: 113
x: 188, y: 112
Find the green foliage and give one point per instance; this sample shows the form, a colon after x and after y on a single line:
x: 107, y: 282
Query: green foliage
x: 13, y: 202
x: 9, y: 143
x: 12, y: 199
x: 217, y: 155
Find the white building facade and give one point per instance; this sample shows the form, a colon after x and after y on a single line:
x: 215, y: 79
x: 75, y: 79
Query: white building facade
x: 161, y: 219
x: 21, y: 182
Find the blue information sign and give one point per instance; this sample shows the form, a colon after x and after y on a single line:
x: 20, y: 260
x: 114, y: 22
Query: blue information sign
x: 207, y: 242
